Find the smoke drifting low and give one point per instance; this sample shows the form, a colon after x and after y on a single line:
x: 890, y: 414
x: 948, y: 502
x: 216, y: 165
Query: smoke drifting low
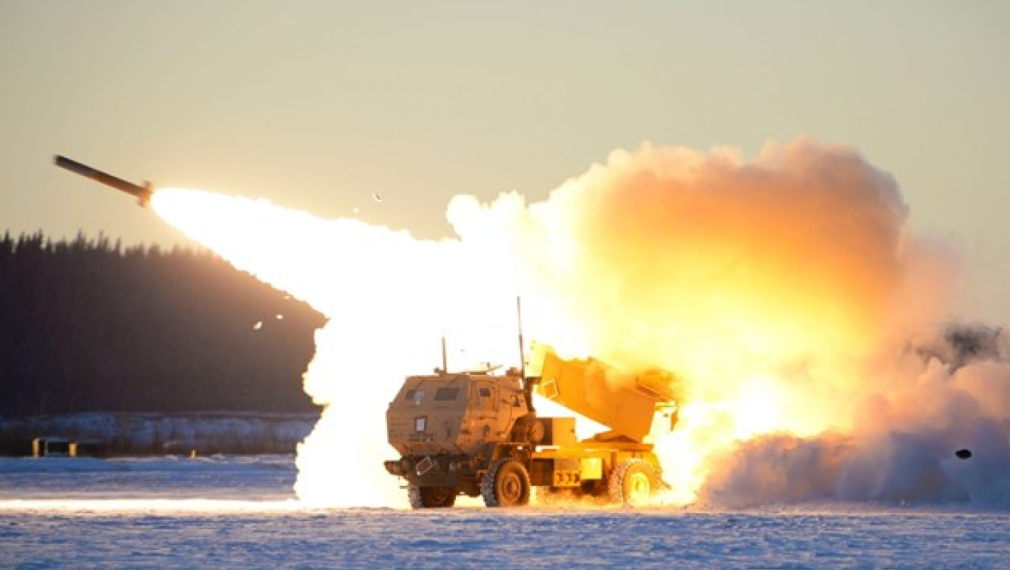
x: 935, y: 430
x: 785, y: 293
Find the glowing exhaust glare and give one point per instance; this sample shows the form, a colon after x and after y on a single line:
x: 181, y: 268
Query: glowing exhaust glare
x: 386, y: 294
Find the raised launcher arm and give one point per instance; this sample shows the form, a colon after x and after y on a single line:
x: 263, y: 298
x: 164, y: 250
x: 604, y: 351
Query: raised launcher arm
x: 627, y: 404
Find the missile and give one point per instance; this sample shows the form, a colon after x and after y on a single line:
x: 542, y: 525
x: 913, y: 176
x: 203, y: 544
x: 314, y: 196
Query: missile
x: 141, y: 193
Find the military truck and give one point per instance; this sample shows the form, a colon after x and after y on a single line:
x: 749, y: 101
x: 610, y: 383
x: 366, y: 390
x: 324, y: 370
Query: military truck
x: 478, y: 433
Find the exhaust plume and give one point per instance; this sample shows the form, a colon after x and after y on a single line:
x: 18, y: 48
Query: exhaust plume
x: 785, y: 294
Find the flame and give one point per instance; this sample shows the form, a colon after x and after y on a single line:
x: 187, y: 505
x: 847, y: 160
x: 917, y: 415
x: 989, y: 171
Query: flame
x: 769, y: 288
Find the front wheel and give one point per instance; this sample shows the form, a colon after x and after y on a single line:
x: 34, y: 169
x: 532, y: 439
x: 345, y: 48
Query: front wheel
x: 431, y: 497
x: 506, y: 484
x: 633, y: 482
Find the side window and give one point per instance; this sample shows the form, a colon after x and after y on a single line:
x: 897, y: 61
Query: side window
x: 484, y: 397
x: 416, y: 396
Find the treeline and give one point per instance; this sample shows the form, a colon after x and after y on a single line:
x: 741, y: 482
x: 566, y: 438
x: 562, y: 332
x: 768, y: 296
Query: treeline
x: 87, y: 325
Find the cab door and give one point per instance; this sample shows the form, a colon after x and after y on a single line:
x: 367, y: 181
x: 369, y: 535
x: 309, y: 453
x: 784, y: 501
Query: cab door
x: 484, y: 405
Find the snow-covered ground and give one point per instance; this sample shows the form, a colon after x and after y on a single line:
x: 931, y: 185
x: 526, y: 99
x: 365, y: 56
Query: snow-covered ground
x: 240, y: 512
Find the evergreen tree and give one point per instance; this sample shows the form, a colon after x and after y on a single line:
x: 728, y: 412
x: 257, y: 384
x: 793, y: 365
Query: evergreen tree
x: 87, y: 325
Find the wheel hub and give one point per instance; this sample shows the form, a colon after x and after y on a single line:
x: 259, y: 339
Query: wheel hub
x: 511, y: 488
x: 639, y: 487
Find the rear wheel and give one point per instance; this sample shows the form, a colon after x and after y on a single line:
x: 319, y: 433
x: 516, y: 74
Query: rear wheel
x: 431, y: 497
x: 633, y: 482
x: 506, y: 484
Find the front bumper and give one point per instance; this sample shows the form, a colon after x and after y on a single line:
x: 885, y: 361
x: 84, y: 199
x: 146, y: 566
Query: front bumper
x: 426, y: 470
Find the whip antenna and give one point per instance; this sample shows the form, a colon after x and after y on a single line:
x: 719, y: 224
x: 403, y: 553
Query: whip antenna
x: 522, y: 351
x: 445, y: 362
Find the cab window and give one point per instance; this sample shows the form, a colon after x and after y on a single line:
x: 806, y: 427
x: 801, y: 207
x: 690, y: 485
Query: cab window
x: 484, y: 397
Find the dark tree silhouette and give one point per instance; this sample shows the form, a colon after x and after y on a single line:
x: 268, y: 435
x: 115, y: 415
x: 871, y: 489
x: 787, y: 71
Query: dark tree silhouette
x: 87, y: 325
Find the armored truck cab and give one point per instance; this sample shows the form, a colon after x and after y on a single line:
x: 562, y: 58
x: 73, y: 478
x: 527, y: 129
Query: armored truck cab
x: 447, y: 427
x: 454, y: 414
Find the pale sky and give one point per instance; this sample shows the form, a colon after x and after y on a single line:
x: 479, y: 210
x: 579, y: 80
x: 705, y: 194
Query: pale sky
x: 318, y: 105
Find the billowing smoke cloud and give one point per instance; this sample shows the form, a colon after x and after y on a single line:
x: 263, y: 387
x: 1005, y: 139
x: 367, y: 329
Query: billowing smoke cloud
x: 935, y: 431
x: 714, y: 267
x: 785, y: 294
x: 951, y: 396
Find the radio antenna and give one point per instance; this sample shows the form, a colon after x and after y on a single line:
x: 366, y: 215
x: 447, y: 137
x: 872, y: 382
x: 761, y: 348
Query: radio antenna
x: 445, y: 363
x: 522, y: 349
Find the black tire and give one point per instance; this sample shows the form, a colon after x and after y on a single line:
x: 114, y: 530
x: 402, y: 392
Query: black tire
x: 506, y: 484
x: 431, y: 497
x: 633, y: 482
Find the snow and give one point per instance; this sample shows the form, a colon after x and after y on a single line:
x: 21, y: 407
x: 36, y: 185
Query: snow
x: 240, y: 512
x: 220, y: 477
